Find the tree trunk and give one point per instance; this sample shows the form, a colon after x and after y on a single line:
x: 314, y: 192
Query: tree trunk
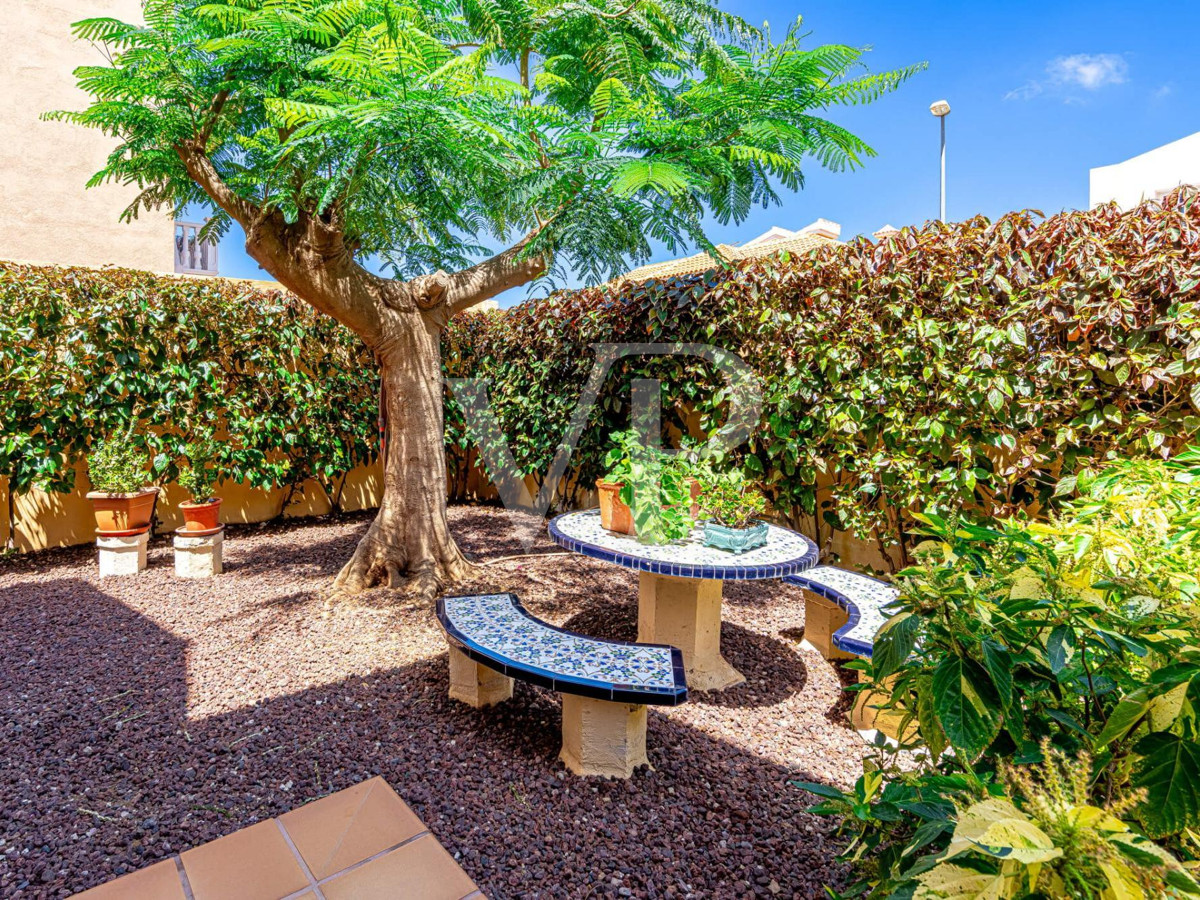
x: 409, y: 544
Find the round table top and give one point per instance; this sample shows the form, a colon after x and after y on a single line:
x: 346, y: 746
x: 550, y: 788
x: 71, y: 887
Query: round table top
x: 785, y: 552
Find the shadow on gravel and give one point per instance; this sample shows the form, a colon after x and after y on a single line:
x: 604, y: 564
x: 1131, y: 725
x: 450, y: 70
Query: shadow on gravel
x: 322, y: 559
x: 773, y: 670
x: 103, y: 772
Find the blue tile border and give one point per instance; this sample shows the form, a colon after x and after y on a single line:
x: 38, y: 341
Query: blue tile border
x: 676, y: 569
x: 864, y: 607
x: 563, y: 682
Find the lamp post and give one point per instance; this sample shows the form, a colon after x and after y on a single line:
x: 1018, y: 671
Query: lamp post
x: 941, y: 109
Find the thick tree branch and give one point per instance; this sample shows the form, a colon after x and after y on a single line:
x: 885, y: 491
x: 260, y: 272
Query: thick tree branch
x: 309, y: 258
x: 491, y: 277
x: 201, y: 170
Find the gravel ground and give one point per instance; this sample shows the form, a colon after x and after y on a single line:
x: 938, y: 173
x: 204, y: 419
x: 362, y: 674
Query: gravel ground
x: 141, y: 717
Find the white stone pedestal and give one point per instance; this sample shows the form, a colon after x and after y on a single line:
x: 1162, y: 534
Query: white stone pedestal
x: 198, y: 556
x: 601, y: 737
x: 122, y: 555
x: 474, y: 684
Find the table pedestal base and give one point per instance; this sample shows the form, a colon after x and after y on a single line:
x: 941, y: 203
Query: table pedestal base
x: 601, y: 737
x: 686, y: 613
x: 476, y: 685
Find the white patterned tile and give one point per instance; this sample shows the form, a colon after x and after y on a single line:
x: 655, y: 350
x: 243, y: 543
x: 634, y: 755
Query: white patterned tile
x: 786, y: 551
x: 499, y: 627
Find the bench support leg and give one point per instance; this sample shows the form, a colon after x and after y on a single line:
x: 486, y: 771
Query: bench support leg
x: 686, y: 613
x: 601, y: 737
x: 822, y: 618
x: 476, y: 685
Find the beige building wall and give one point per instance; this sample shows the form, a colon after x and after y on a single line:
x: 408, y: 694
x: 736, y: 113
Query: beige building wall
x: 51, y: 218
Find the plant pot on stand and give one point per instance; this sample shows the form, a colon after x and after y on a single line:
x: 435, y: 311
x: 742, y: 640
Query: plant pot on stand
x: 120, y: 514
x: 122, y: 529
x: 201, y: 517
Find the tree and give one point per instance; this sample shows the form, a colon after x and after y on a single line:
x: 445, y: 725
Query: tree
x: 418, y: 134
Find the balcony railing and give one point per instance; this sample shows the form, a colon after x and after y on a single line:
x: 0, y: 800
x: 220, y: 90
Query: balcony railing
x: 192, y: 255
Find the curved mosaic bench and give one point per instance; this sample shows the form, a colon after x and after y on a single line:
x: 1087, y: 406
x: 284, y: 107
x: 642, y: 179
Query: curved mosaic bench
x: 842, y: 623
x: 605, y: 685
x: 861, y: 597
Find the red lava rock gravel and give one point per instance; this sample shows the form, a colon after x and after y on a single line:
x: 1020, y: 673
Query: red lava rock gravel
x: 143, y: 716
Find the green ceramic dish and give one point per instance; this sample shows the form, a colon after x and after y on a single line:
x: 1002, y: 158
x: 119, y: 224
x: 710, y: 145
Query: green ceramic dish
x: 735, y: 540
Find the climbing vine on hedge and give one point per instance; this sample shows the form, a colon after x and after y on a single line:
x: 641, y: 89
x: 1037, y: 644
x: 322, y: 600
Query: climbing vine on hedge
x: 952, y: 366
x: 86, y: 353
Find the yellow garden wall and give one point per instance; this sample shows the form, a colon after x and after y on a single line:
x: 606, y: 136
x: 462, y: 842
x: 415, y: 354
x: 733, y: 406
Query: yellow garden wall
x: 45, y: 520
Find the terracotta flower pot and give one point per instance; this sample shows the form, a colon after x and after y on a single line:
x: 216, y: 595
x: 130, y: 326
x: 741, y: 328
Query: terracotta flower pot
x: 694, y: 489
x: 204, y: 516
x: 123, y: 514
x: 615, y: 514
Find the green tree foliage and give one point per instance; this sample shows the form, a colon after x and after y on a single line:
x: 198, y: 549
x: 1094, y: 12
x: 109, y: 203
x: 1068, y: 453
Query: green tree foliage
x: 425, y: 129
x: 420, y: 132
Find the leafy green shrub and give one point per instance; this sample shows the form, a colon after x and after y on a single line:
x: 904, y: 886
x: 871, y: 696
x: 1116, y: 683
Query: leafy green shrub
x: 730, y: 500
x: 1010, y: 646
x: 117, y: 465
x: 957, y: 367
x: 199, y: 471
x: 952, y: 367
x: 84, y: 351
x: 655, y: 485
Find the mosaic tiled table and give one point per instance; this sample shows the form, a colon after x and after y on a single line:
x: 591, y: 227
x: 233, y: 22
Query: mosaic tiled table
x: 680, y: 585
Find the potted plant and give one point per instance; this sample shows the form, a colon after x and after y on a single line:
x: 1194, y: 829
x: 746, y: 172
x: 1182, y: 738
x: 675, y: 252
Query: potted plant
x: 731, y: 508
x: 659, y: 491
x: 615, y: 513
x: 197, y: 473
x: 121, y: 500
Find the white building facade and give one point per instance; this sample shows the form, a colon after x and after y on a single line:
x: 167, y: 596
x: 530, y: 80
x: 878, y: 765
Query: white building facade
x: 1150, y: 176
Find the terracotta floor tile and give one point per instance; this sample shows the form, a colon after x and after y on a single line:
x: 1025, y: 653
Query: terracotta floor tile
x: 252, y: 864
x: 157, y: 882
x: 421, y: 870
x: 342, y: 829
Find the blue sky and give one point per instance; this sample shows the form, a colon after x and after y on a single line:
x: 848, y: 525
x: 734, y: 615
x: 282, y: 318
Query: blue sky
x: 1041, y: 92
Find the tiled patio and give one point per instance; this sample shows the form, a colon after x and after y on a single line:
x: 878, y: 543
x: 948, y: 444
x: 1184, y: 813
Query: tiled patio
x: 358, y: 844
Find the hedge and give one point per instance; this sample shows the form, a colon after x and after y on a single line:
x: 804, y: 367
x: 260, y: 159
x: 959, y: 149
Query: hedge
x: 85, y: 353
x: 952, y: 366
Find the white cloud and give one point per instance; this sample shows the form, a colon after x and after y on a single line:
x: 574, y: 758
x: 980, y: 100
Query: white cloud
x: 1163, y: 92
x: 1089, y: 71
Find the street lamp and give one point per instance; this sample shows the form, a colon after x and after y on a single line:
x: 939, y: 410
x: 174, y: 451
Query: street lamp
x: 941, y: 109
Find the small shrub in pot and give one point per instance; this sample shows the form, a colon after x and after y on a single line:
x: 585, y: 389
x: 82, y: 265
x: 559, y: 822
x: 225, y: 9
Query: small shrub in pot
x: 731, y: 508
x: 121, y: 500
x: 197, y: 474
